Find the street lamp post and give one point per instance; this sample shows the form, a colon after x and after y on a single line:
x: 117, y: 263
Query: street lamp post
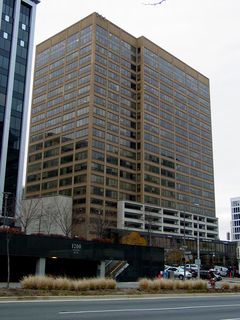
x: 198, y: 244
x: 184, y: 243
x: 5, y: 194
x: 198, y: 249
x: 150, y: 231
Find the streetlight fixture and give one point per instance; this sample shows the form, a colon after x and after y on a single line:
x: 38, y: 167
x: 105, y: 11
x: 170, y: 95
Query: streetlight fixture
x: 198, y: 245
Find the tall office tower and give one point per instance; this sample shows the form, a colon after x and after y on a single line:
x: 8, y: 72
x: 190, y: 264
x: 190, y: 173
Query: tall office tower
x: 117, y: 118
x: 235, y: 219
x: 16, y: 48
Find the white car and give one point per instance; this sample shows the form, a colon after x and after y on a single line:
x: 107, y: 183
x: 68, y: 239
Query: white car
x: 192, y: 267
x: 179, y: 272
x: 222, y: 271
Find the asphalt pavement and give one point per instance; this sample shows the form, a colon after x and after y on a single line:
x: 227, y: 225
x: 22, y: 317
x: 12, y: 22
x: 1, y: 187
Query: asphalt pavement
x: 200, y: 307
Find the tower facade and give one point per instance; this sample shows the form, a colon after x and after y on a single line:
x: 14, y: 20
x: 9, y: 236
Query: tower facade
x: 235, y: 219
x: 117, y: 118
x: 16, y: 47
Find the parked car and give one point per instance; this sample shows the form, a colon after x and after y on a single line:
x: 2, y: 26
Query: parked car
x: 191, y: 268
x: 178, y: 272
x: 222, y: 271
x: 204, y: 274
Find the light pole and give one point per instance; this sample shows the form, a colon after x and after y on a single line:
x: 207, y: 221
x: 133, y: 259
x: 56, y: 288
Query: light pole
x: 149, y: 220
x: 198, y: 250
x: 184, y: 243
x: 5, y: 194
x: 150, y: 231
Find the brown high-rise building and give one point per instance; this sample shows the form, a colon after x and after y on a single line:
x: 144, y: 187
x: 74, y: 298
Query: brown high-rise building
x: 117, y: 118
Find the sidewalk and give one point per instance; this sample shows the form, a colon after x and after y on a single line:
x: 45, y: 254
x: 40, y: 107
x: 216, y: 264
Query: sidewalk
x: 231, y: 280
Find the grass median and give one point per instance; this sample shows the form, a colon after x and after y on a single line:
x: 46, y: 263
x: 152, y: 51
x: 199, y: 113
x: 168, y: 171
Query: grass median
x: 35, y: 286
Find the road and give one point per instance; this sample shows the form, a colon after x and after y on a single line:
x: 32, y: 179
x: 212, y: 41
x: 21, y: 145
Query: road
x: 219, y: 307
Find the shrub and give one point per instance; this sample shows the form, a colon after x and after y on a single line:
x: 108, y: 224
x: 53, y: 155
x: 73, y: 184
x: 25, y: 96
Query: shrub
x: 63, y: 283
x: 167, y: 284
x: 200, y: 285
x: 37, y: 282
x: 111, y: 284
x: 236, y: 287
x: 97, y: 283
x: 183, y: 285
x: 154, y: 285
x: 81, y: 285
x: 143, y: 284
x: 225, y: 286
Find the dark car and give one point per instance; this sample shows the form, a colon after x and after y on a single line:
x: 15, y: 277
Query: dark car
x: 205, y: 274
x: 193, y: 272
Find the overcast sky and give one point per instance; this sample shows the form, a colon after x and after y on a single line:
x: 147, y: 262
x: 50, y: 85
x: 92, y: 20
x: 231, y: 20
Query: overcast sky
x: 203, y: 34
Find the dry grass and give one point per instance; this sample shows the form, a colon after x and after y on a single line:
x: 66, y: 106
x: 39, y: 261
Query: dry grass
x: 158, y: 285
x: 63, y: 283
x: 37, y: 282
x: 143, y: 284
x: 225, y: 286
x: 200, y: 285
x: 236, y: 287
x: 167, y: 284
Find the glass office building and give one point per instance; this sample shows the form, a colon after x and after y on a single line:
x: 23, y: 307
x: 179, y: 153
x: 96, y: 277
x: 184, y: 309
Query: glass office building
x: 16, y: 46
x: 235, y: 219
x: 117, y: 118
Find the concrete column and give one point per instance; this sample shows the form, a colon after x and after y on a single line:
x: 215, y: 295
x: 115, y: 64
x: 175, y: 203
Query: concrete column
x: 40, y: 267
x: 101, y: 269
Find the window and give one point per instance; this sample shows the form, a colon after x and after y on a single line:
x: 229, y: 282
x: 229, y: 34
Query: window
x: 97, y: 179
x: 65, y: 182
x: 97, y: 167
x: 80, y: 166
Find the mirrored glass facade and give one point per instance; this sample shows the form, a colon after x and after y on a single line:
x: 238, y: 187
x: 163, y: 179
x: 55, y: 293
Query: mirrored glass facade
x: 16, y: 42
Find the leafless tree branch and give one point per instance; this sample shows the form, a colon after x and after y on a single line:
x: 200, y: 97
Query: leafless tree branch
x: 63, y: 218
x: 154, y: 4
x: 28, y: 212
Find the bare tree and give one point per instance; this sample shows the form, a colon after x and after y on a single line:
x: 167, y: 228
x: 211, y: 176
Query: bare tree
x: 47, y: 219
x: 27, y: 212
x: 100, y: 223
x: 62, y: 215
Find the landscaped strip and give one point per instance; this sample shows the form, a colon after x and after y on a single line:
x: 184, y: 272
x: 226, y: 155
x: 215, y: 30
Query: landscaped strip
x: 63, y: 283
x: 166, y: 285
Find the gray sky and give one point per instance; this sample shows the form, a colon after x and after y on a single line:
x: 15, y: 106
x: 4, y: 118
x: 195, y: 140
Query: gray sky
x: 203, y: 34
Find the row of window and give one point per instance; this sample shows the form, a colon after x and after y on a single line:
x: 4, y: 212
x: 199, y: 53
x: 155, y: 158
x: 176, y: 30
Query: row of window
x: 174, y: 73
x: 61, y: 48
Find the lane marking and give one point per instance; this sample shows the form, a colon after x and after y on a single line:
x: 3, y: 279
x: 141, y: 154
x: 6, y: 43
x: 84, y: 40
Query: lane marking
x: 148, y: 309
